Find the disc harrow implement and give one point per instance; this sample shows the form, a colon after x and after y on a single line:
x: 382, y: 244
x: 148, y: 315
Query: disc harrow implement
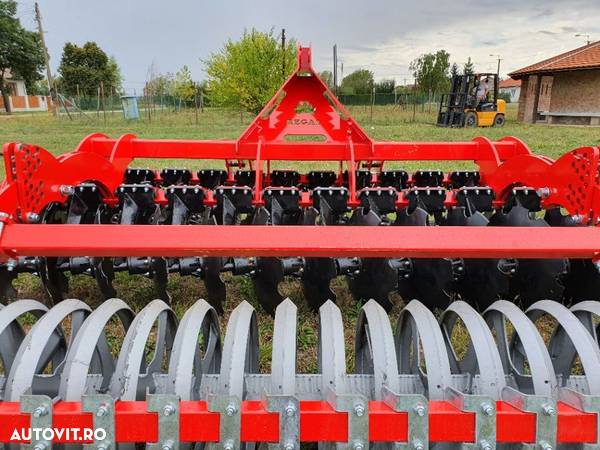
x: 496, y: 266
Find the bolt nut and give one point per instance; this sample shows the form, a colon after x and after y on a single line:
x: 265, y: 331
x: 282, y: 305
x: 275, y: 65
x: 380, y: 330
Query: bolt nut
x: 419, y: 409
x: 290, y: 410
x: 40, y: 446
x: 230, y: 410
x: 358, y: 445
x: 289, y: 446
x: 66, y: 190
x: 168, y: 445
x: 11, y: 264
x: 102, y: 411
x: 359, y: 410
x: 487, y: 409
x: 485, y: 445
x: 549, y: 410
x: 418, y: 445
x: 228, y: 445
x: 33, y: 217
x: 169, y: 409
x: 544, y: 192
x: 545, y: 445
x: 40, y: 411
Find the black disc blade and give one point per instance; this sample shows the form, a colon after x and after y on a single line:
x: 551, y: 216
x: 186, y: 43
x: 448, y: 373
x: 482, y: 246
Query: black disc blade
x: 482, y: 281
x: 583, y: 281
x: 269, y: 273
x: 376, y: 278
x: 316, y: 279
x: 215, y: 288
x: 430, y: 280
x: 535, y: 279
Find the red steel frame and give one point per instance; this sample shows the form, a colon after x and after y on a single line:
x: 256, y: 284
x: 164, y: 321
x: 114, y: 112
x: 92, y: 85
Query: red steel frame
x: 303, y: 107
x: 319, y: 422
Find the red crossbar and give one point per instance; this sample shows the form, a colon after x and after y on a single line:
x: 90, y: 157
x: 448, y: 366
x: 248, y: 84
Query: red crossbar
x: 318, y: 423
x: 221, y: 240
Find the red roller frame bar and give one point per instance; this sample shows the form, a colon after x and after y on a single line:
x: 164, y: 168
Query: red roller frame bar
x: 318, y: 423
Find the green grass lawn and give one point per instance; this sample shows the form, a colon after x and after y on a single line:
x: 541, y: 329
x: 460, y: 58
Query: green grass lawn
x: 386, y: 123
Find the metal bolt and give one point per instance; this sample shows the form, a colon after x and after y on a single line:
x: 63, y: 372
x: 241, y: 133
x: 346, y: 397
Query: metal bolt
x: 545, y: 445
x: 102, y: 447
x: 102, y: 411
x: 487, y: 409
x: 418, y: 445
x: 228, y: 445
x: 290, y: 410
x: 288, y: 446
x: 66, y: 190
x: 543, y: 192
x: 169, y: 409
x: 359, y: 410
x: 40, y: 411
x: 419, y: 409
x: 230, y: 410
x: 485, y: 445
x: 358, y: 445
x: 33, y: 217
x: 40, y: 446
x: 168, y: 445
x: 549, y: 410
x: 11, y: 264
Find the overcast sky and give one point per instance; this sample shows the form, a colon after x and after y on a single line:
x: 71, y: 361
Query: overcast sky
x: 380, y: 35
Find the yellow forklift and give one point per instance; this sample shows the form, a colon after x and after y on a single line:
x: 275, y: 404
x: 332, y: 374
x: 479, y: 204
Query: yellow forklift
x: 462, y: 108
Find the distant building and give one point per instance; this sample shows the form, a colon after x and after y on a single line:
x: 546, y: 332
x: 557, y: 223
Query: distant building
x: 564, y: 89
x: 19, y: 100
x: 510, y: 87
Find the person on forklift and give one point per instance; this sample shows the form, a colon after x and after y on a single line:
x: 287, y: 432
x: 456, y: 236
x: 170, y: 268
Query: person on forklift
x: 481, y: 91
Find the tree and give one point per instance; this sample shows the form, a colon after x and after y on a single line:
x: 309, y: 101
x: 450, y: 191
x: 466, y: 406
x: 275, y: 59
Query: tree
x: 87, y: 67
x: 385, y: 86
x: 454, y: 70
x: 247, y: 73
x: 184, y: 88
x: 20, y: 51
x: 431, y: 71
x: 358, y: 82
x: 469, y: 68
x: 327, y: 77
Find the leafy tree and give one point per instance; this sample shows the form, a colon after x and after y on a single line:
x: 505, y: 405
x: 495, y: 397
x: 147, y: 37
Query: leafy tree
x: 87, y: 66
x: 39, y: 87
x: 431, y: 71
x: 385, y: 86
x: 327, y: 77
x: 160, y: 85
x: 20, y: 50
x: 469, y: 68
x: 247, y: 73
x: 454, y: 70
x: 358, y: 82
x: 184, y: 88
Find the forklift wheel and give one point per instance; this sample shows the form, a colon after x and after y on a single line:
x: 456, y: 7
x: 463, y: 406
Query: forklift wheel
x: 471, y: 120
x: 499, y: 120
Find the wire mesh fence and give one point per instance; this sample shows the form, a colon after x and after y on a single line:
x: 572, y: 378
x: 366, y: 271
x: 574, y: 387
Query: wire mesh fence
x: 369, y: 108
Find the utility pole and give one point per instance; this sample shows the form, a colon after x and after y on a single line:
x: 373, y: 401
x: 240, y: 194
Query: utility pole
x: 283, y: 54
x: 335, y: 79
x: 499, y: 59
x: 38, y: 18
